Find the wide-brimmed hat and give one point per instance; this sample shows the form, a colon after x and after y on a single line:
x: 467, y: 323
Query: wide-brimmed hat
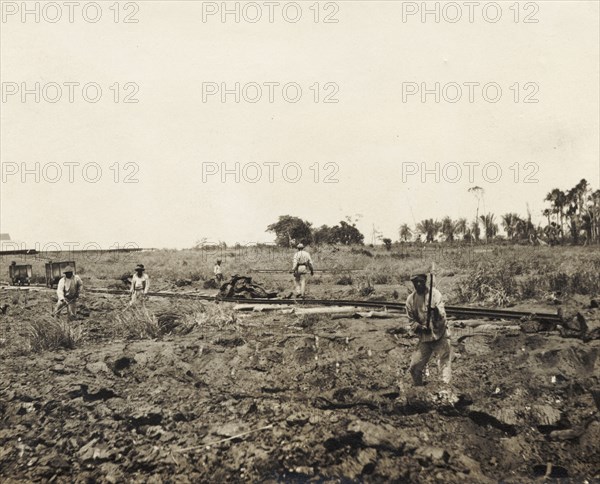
x: 418, y: 277
x: 300, y: 246
x: 140, y: 267
x: 68, y: 269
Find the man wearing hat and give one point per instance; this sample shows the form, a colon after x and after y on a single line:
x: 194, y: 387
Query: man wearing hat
x: 301, y: 266
x: 140, y: 285
x: 218, y: 272
x: 69, y: 287
x: 433, y: 340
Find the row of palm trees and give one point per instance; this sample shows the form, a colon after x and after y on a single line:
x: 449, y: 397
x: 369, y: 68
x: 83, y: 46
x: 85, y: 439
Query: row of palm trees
x: 452, y: 230
x: 574, y: 216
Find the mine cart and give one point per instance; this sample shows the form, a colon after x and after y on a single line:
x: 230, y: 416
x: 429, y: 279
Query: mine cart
x: 20, y: 275
x: 54, y: 271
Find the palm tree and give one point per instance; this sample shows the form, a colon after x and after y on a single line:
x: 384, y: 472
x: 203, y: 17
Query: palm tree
x: 525, y: 230
x: 577, y: 208
x: 594, y: 212
x: 558, y: 199
x: 473, y: 232
x: 448, y: 228
x: 490, y: 228
x: 405, y: 232
x: 461, y: 226
x: 546, y: 213
x: 478, y: 192
x: 579, y: 192
x: 429, y: 228
x: 509, y: 222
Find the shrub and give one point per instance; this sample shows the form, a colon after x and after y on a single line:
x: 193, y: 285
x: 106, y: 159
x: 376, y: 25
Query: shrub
x: 492, y: 283
x: 345, y: 281
x: 51, y: 334
x: 531, y: 287
x: 381, y: 278
x: 361, y: 251
x: 581, y: 282
x: 365, y: 288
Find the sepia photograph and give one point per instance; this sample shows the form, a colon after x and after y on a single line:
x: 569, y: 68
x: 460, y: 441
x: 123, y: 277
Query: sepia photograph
x: 310, y: 241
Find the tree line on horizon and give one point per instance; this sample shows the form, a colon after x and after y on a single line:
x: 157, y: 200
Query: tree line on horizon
x: 572, y: 217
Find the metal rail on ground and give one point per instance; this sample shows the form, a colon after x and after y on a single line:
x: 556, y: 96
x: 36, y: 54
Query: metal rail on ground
x: 457, y: 311
x: 284, y: 271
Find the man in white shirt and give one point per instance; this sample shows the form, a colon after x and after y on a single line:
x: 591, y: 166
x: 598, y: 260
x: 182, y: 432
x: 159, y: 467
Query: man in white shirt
x: 69, y: 287
x: 433, y: 340
x: 302, y: 264
x: 218, y: 272
x: 140, y: 285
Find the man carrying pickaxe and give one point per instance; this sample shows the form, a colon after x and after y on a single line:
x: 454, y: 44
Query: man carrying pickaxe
x: 68, y: 291
x: 427, y: 316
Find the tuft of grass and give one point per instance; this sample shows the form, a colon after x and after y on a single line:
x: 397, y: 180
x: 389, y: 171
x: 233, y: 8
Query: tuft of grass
x: 345, y: 281
x: 51, y: 334
x: 381, y: 278
x: 139, y: 322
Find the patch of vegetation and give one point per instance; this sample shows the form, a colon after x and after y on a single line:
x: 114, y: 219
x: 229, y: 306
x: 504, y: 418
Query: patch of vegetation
x: 505, y: 278
x: 51, y: 334
x: 139, y: 322
x: 366, y: 289
x: 361, y: 251
x: 345, y: 281
x: 584, y: 281
x: 490, y: 283
x: 399, y: 255
x: 381, y: 278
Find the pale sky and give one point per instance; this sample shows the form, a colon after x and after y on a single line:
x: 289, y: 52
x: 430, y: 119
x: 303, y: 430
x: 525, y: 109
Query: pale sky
x: 369, y: 136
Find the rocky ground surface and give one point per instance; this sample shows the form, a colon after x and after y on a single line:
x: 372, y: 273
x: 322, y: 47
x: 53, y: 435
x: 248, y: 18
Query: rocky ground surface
x: 273, y: 397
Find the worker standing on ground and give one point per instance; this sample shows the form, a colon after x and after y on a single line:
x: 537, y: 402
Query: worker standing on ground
x: 140, y: 285
x: 218, y: 272
x: 301, y: 266
x: 434, y: 338
x: 69, y: 287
